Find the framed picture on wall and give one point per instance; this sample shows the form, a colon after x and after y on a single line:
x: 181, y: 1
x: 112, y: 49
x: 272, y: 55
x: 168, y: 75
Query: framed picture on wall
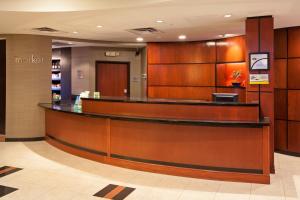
x: 80, y: 74
x: 259, y: 61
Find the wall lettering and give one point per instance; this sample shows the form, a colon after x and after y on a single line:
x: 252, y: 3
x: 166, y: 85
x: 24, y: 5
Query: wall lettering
x: 32, y: 59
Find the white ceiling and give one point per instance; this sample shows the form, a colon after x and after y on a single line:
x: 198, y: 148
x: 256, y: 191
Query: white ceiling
x: 198, y: 19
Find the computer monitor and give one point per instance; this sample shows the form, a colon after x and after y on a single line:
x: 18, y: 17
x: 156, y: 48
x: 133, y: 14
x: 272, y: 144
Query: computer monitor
x: 225, y: 97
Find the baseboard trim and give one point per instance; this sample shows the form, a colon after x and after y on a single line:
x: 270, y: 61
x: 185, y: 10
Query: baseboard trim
x: 289, y: 153
x: 24, y: 139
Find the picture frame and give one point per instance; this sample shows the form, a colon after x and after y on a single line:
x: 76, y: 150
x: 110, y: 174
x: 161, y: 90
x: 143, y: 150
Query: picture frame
x: 259, y: 61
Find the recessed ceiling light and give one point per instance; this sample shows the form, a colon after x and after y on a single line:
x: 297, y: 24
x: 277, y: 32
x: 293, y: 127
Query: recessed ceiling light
x: 220, y: 35
x: 222, y: 43
x: 159, y: 21
x: 182, y: 37
x: 227, y: 15
x: 75, y: 32
x: 70, y: 43
x: 99, y: 26
x: 211, y: 43
x: 140, y: 39
x: 229, y: 35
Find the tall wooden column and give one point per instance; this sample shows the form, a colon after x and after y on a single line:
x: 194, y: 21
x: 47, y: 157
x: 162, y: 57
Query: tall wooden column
x: 260, y: 38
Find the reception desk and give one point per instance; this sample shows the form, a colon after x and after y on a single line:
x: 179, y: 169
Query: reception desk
x: 223, y: 141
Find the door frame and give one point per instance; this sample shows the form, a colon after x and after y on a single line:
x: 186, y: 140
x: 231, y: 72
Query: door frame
x: 114, y: 62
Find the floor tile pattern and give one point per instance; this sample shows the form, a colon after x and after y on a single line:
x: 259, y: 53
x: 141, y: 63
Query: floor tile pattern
x: 6, y: 190
x: 51, y: 174
x: 115, y: 192
x: 6, y: 170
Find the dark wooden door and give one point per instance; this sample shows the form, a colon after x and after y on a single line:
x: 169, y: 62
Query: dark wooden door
x: 112, y: 79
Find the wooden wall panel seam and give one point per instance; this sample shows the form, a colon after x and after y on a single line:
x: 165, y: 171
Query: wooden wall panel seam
x: 229, y: 87
x: 266, y: 150
x: 108, y: 132
x: 199, y: 63
x: 184, y: 86
x: 187, y: 63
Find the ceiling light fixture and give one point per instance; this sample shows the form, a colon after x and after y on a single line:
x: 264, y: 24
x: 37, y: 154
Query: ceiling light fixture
x: 70, y: 43
x: 227, y: 15
x: 182, y: 37
x: 229, y: 35
x: 99, y: 26
x: 159, y: 21
x: 75, y: 32
x: 222, y: 43
x: 140, y: 39
x: 211, y: 43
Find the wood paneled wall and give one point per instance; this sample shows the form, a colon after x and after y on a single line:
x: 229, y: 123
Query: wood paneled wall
x: 287, y: 90
x: 195, y: 70
x: 260, y: 38
x: 181, y: 52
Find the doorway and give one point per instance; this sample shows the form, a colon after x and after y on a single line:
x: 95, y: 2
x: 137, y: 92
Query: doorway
x: 113, y: 78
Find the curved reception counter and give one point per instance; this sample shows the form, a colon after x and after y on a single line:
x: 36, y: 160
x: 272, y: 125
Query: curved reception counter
x: 223, y: 141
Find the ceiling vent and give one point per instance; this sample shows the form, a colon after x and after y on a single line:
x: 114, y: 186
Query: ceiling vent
x: 147, y: 30
x: 45, y: 29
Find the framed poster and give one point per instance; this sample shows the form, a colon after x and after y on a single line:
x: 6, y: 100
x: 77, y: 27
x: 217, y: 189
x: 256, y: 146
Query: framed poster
x: 259, y: 61
x: 80, y: 74
x: 259, y: 79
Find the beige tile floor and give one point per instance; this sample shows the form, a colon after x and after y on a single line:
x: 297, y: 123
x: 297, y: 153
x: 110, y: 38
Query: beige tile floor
x: 50, y: 174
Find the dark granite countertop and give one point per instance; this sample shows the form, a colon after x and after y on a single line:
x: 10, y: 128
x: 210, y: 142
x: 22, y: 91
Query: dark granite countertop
x: 69, y: 108
x: 169, y: 101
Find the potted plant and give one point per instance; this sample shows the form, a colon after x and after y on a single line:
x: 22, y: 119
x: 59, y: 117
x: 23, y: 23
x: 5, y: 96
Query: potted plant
x: 236, y: 78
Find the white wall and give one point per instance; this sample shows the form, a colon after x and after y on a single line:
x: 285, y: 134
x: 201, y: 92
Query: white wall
x: 84, y: 59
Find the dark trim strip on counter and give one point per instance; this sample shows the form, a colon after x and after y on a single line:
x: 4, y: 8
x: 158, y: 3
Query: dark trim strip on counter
x: 78, y: 147
x: 191, y: 122
x: 289, y: 153
x: 178, y: 102
x: 163, y: 121
x: 190, y: 166
x: 172, y: 164
x: 35, y: 139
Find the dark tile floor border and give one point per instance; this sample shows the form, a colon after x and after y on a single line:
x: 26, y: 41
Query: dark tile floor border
x: 4, y: 190
x: 12, y: 170
x: 109, y: 190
